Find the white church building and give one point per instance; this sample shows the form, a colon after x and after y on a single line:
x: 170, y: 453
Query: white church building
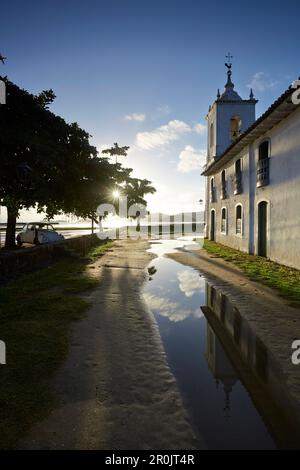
x: 253, y: 175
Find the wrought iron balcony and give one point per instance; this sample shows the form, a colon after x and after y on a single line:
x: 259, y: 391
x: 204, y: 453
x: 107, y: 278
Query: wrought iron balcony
x: 262, y: 174
x: 238, y: 184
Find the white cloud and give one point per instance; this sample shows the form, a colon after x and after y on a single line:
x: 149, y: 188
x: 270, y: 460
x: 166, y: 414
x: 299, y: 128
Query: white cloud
x: 163, y: 135
x: 191, y: 159
x: 172, y: 310
x: 135, y: 117
x: 189, y: 282
x: 200, y: 128
x: 261, y: 82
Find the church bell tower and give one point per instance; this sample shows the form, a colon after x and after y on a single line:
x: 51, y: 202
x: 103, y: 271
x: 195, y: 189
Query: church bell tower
x: 228, y: 117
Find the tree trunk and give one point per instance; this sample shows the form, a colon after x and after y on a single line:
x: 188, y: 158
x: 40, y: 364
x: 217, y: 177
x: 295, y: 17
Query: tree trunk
x: 10, y: 239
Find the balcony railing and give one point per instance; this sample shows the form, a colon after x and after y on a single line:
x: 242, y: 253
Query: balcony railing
x: 238, y: 184
x: 262, y: 174
x: 213, y: 195
x: 224, y: 190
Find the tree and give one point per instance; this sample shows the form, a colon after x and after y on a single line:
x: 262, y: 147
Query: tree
x: 48, y: 163
x: 136, y: 190
x: 116, y: 151
x: 21, y: 122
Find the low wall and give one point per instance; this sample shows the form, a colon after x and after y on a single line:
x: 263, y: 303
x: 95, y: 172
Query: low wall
x: 25, y: 260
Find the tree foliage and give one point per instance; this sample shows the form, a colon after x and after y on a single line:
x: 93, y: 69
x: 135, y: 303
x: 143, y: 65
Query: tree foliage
x: 50, y: 164
x: 116, y: 151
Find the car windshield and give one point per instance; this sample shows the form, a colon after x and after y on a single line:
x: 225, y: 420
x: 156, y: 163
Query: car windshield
x: 38, y: 226
x: 47, y: 227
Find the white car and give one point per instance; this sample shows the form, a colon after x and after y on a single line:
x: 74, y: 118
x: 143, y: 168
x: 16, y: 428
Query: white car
x: 37, y: 233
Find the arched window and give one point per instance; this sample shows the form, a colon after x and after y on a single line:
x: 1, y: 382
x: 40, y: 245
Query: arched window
x: 223, y: 185
x: 239, y: 219
x: 238, y: 187
x: 211, y: 135
x: 224, y: 220
x: 262, y: 228
x: 212, y: 235
x: 212, y: 190
x: 262, y: 175
x: 235, y: 127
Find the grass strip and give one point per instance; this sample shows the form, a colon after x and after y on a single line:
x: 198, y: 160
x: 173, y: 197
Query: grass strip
x: 284, y: 279
x: 36, y: 313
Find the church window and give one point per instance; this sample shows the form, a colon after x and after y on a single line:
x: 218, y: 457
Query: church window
x: 262, y: 174
x: 224, y: 220
x: 212, y: 190
x: 235, y: 127
x: 238, y: 188
x: 239, y: 219
x: 223, y: 185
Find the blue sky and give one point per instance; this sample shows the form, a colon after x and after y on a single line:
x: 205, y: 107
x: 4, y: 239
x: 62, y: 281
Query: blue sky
x: 143, y: 73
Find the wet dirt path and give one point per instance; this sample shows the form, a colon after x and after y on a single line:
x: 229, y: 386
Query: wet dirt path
x: 116, y: 390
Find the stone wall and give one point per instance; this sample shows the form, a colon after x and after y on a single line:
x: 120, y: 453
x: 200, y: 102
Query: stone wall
x: 22, y: 261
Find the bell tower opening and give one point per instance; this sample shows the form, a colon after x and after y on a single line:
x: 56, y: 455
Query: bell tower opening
x: 235, y: 127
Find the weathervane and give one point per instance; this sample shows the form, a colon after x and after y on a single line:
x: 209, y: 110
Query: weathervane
x: 228, y: 64
x: 229, y: 57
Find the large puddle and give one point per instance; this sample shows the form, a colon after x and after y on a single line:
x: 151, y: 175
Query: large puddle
x: 223, y: 372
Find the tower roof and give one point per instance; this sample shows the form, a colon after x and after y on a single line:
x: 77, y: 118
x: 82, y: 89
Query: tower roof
x: 229, y: 93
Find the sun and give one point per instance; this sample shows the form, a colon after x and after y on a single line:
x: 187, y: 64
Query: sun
x: 116, y: 194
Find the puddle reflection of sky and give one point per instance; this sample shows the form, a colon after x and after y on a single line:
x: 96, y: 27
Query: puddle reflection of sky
x: 219, y: 404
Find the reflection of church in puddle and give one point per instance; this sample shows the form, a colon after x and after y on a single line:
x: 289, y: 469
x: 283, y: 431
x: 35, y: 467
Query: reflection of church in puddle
x: 225, y: 327
x: 220, y: 367
x: 234, y: 354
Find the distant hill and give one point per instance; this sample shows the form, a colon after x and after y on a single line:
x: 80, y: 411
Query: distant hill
x: 199, y: 216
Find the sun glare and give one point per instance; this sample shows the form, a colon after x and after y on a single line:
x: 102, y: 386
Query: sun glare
x: 116, y: 194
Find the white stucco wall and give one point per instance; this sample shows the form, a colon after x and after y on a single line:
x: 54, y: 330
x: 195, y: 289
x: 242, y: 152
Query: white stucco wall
x: 282, y: 194
x: 211, y: 119
x: 232, y: 239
